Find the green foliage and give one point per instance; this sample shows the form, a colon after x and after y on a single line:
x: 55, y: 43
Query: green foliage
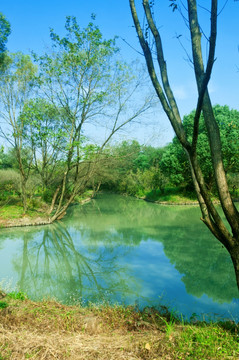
x: 78, y: 71
x: 9, y: 183
x: 228, y: 121
x: 48, y: 193
x: 174, y: 162
x: 45, y: 133
x: 5, y: 30
x: 81, y: 84
x: 233, y: 182
x: 145, y: 171
x: 43, y: 121
x: 140, y: 182
x: 85, y: 84
x: 18, y: 77
x: 207, y: 342
x: 16, y: 85
x: 10, y: 186
x: 134, y: 169
x: 17, y: 295
x: 5, y: 159
x: 26, y: 157
x: 3, y: 304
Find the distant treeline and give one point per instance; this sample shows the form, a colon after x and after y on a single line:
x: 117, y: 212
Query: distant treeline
x: 131, y: 168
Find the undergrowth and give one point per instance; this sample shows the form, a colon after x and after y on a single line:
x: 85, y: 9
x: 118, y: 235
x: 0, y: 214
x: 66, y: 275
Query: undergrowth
x: 49, y: 330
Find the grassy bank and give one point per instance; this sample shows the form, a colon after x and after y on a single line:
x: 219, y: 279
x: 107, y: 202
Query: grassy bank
x: 172, y: 196
x: 11, y: 213
x: 171, y: 199
x: 49, y: 330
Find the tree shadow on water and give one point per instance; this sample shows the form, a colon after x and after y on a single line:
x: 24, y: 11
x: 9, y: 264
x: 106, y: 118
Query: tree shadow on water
x: 55, y: 266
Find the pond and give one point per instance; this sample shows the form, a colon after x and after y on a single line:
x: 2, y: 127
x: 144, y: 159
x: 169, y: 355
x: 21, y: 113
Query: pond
x: 122, y: 250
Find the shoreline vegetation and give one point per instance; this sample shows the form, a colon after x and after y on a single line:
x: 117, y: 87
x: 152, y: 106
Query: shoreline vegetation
x: 47, y: 329
x: 37, y: 217
x: 12, y: 215
x: 51, y: 330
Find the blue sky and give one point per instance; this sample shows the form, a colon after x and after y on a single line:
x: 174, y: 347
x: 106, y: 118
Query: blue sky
x: 31, y: 20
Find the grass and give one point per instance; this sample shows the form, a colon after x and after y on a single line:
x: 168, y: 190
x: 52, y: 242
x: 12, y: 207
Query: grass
x: 13, y: 210
x: 173, y: 198
x: 12, y: 215
x: 49, y: 330
x: 171, y: 195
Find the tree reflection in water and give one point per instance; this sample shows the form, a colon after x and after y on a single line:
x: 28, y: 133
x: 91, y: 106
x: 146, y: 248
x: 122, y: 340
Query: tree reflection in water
x: 53, y: 266
x: 204, y: 265
x: 123, y: 250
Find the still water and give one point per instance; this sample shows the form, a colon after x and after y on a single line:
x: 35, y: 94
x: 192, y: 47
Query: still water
x: 123, y: 250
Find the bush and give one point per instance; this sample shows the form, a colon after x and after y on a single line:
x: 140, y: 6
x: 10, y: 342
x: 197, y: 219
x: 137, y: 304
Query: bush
x: 9, y: 183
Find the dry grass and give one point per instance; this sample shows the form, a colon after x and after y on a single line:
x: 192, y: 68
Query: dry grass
x: 49, y: 330
x: 27, y: 345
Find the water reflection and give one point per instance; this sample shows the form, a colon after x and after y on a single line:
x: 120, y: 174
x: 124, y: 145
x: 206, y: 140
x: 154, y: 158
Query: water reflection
x: 114, y: 248
x: 52, y: 264
x: 203, y: 263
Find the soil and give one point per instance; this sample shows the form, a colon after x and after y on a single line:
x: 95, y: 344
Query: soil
x: 24, y: 221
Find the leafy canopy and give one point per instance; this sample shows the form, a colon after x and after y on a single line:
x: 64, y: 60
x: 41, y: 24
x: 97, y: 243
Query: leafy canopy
x: 5, y: 30
x: 174, y: 161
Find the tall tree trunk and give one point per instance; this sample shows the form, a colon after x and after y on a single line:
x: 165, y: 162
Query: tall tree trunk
x: 53, y: 201
x: 23, y: 194
x: 210, y: 215
x: 235, y: 260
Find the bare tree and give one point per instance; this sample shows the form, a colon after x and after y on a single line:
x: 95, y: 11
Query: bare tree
x: 227, y: 232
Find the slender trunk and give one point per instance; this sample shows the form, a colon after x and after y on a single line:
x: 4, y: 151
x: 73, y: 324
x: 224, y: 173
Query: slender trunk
x: 23, y: 194
x: 229, y: 209
x: 53, y: 200
x: 235, y: 260
x: 210, y: 215
x: 228, y: 206
x: 61, y: 211
x: 24, y: 263
x: 95, y: 188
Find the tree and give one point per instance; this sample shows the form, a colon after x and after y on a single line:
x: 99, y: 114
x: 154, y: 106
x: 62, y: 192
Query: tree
x: 83, y: 78
x: 210, y: 215
x: 133, y: 169
x: 5, y: 30
x: 5, y: 159
x: 174, y: 161
x: 16, y: 84
x: 45, y: 135
x: 174, y: 164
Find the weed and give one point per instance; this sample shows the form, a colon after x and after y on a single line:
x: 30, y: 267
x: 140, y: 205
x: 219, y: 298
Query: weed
x: 121, y: 331
x: 17, y: 295
x: 170, y: 325
x: 3, y: 304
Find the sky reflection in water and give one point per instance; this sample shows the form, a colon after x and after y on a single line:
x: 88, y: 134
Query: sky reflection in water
x: 123, y: 250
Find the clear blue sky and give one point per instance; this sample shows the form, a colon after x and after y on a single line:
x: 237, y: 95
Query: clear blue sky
x: 31, y: 20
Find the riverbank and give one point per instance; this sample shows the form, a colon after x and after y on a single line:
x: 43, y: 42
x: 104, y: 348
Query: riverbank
x: 49, y: 330
x: 12, y: 216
